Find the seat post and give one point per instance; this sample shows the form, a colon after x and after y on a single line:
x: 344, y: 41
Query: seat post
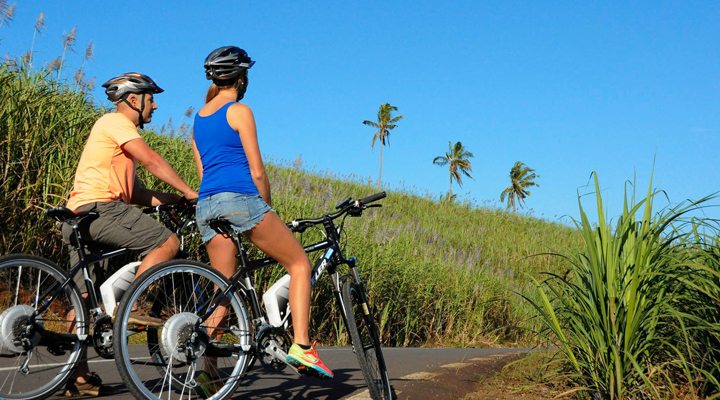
x: 78, y: 241
x: 241, y: 252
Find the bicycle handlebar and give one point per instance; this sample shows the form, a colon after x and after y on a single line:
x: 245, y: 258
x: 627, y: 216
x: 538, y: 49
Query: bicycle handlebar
x: 372, y: 198
x: 176, y: 216
x: 182, y: 204
x: 353, y: 208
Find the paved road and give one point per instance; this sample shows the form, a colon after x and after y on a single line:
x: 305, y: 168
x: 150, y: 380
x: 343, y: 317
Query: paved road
x: 348, y: 382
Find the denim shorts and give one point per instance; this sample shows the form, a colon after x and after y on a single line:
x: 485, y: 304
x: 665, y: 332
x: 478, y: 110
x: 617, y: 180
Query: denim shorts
x: 244, y: 211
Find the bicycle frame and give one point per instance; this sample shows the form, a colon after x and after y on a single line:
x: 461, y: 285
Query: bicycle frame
x: 83, y: 264
x: 329, y: 262
x: 210, y: 319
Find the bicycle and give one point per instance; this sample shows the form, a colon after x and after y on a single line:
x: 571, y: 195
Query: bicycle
x: 202, y: 356
x: 41, y: 342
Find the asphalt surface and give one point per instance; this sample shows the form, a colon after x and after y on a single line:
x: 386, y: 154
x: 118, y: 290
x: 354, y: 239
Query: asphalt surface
x: 347, y: 384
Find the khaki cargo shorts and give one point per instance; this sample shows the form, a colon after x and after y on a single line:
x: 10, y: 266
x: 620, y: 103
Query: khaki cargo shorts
x: 118, y: 225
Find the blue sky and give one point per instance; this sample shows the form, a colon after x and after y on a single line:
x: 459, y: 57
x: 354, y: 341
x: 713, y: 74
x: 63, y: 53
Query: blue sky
x: 566, y: 87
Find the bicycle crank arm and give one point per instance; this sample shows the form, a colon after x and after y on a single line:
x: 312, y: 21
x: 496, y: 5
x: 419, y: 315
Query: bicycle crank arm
x: 274, y: 350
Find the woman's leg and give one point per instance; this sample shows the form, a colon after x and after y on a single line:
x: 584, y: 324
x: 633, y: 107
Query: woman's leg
x: 274, y: 238
x: 222, y: 253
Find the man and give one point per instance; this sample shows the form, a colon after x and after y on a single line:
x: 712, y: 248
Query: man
x: 106, y: 183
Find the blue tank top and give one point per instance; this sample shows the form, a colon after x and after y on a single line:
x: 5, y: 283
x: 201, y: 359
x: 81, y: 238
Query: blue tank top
x: 225, y: 165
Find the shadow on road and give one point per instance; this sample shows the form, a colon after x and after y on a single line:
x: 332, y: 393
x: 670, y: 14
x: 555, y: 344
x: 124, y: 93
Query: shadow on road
x: 291, y: 386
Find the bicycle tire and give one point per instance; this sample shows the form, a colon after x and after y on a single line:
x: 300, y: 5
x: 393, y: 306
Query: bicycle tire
x: 366, y: 341
x: 51, y: 360
x: 180, y: 350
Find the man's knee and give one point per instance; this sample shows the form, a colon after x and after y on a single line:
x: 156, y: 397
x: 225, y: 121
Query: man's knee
x: 171, y: 245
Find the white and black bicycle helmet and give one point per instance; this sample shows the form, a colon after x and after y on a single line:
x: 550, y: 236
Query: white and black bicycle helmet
x: 226, y: 63
x: 118, y: 88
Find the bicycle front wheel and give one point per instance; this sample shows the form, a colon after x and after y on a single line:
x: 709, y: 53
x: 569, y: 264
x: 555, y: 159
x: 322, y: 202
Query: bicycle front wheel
x: 163, y: 348
x: 38, y: 350
x: 366, y: 341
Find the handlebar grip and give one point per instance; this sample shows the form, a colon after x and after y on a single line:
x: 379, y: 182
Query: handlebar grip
x: 372, y: 198
x: 296, y: 226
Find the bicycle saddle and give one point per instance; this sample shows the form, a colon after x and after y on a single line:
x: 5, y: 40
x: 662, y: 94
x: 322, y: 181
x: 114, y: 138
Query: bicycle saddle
x: 63, y: 214
x: 221, y: 226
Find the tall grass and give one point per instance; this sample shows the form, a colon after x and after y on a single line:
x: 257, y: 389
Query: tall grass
x: 43, y: 126
x: 438, y: 273
x: 636, y: 316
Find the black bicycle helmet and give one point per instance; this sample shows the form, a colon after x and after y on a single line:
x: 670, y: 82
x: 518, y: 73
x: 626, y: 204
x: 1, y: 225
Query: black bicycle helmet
x: 226, y: 63
x: 132, y: 82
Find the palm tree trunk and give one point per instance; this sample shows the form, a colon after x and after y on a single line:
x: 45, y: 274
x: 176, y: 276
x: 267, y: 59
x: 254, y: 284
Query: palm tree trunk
x: 450, y: 189
x: 380, y: 174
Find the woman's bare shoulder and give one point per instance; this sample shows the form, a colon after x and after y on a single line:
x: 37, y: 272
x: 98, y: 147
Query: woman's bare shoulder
x: 239, y: 115
x: 240, y: 108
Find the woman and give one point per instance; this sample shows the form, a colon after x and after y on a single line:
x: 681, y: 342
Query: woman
x: 234, y: 186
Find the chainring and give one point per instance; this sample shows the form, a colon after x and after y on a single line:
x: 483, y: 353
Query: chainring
x: 103, y: 337
x: 281, y: 339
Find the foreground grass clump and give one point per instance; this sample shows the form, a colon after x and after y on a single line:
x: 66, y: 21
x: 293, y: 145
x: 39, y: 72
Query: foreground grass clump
x: 637, y: 314
x: 439, y: 274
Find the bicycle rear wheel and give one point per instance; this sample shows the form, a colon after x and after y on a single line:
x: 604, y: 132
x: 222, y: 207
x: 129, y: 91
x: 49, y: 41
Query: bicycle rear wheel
x: 162, y: 347
x: 366, y: 341
x: 38, y: 353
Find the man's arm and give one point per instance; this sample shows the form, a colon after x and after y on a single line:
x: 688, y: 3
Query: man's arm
x: 146, y: 197
x: 157, y: 166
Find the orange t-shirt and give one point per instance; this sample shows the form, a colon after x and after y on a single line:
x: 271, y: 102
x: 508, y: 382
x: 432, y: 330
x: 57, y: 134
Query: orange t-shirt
x: 105, y: 172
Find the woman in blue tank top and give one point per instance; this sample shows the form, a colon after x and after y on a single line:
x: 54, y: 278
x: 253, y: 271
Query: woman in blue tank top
x: 234, y: 186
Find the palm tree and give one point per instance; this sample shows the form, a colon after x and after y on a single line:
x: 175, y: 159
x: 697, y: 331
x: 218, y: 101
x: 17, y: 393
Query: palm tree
x: 458, y: 160
x: 385, y: 123
x: 521, y: 178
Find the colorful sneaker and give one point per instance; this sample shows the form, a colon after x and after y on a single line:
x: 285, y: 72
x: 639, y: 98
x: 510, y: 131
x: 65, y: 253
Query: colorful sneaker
x: 308, y: 361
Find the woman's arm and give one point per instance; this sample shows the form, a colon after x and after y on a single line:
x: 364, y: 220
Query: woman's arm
x: 240, y: 117
x: 196, y: 154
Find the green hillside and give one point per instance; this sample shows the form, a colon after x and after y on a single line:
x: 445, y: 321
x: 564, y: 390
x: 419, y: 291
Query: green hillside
x: 617, y: 306
x: 438, y: 273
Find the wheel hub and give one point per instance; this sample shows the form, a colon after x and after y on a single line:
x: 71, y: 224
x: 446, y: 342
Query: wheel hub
x: 180, y: 338
x: 17, y: 332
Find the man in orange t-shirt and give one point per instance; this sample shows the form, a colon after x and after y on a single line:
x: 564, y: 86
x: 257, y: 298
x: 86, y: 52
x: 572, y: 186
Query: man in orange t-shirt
x: 106, y: 183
